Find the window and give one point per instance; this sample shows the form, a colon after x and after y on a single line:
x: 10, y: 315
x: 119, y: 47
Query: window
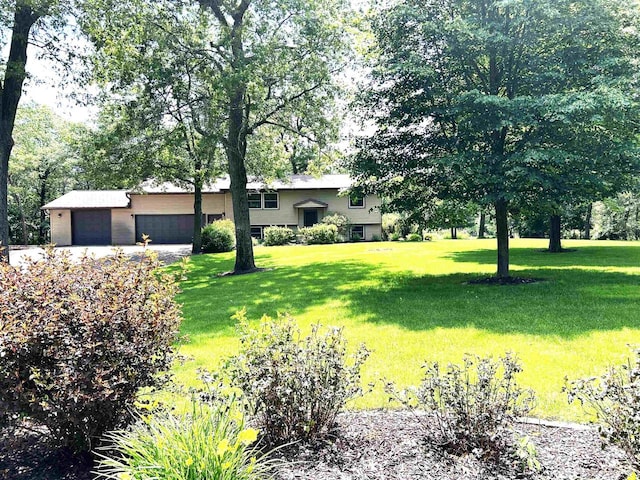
x: 270, y: 200
x: 210, y: 218
x: 356, y: 201
x: 357, y: 232
x: 256, y: 232
x: 255, y: 200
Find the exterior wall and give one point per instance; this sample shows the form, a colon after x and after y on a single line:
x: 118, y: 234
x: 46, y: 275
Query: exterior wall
x: 60, y: 221
x: 123, y: 227
x: 287, y: 214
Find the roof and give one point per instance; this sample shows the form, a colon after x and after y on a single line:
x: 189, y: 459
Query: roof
x: 90, y: 199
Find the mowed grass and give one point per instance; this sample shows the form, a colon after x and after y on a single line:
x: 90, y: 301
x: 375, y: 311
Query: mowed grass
x: 411, y: 303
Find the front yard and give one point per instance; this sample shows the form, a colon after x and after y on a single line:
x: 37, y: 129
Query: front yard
x: 410, y: 302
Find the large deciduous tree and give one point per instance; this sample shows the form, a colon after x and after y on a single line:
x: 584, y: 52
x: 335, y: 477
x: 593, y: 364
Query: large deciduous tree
x: 238, y: 71
x: 495, y: 101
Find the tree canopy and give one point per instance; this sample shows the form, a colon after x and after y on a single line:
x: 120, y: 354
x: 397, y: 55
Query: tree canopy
x: 499, y: 102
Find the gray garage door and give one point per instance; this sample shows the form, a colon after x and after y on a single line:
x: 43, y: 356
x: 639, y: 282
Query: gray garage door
x: 91, y: 227
x: 165, y: 228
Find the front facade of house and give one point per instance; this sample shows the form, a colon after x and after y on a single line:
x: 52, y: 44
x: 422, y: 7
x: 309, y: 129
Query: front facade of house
x: 165, y: 212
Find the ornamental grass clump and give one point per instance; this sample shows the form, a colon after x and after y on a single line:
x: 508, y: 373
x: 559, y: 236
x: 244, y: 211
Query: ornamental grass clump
x: 295, y: 386
x: 79, y: 338
x: 212, y: 442
x: 472, y: 407
x: 614, y: 399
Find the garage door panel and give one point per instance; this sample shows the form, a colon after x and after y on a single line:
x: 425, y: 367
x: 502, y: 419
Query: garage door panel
x: 161, y: 229
x: 91, y: 227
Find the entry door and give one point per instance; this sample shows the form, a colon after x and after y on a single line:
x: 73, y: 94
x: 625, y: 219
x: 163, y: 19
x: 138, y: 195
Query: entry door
x: 310, y: 217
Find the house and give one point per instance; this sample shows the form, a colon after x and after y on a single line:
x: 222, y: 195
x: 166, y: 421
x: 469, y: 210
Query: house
x: 165, y: 212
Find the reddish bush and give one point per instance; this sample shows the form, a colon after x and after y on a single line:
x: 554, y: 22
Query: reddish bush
x: 78, y: 339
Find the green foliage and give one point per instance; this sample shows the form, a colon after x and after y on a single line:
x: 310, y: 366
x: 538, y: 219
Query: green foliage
x: 218, y: 236
x: 211, y: 443
x: 614, y: 398
x: 473, y: 405
x: 341, y: 222
x: 618, y: 218
x: 414, y: 237
x: 376, y: 238
x: 295, y: 386
x: 80, y: 338
x: 319, y: 234
x: 278, y: 236
x: 452, y: 213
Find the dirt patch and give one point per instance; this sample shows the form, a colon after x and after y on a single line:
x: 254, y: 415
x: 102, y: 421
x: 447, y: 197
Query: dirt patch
x: 372, y: 445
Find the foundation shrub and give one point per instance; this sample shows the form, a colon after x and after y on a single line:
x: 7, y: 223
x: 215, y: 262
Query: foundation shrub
x: 218, y: 237
x: 295, y: 386
x: 341, y: 222
x: 319, y: 234
x: 79, y: 338
x: 278, y: 236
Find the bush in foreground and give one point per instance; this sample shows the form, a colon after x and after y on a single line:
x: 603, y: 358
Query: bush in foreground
x: 210, y: 443
x: 473, y: 407
x: 78, y: 339
x: 295, y: 386
x: 218, y: 237
x: 278, y: 236
x: 319, y: 234
x: 614, y: 398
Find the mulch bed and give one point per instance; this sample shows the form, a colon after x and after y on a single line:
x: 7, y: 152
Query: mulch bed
x: 368, y: 445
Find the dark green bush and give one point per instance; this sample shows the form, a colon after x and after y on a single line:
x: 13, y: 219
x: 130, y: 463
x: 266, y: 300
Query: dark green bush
x: 295, y: 386
x: 414, y: 237
x: 218, y: 237
x: 614, y: 398
x: 278, y: 236
x: 341, y: 222
x: 319, y: 234
x: 473, y: 405
x: 78, y: 339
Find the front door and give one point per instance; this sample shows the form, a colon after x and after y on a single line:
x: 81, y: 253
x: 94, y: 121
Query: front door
x: 310, y: 217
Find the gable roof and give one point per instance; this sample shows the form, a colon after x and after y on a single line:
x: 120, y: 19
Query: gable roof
x: 90, y: 199
x: 310, y: 203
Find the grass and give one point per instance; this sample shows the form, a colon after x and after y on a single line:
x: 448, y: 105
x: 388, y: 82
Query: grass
x: 409, y: 302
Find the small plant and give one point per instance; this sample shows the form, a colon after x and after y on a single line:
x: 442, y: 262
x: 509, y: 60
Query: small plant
x: 356, y: 238
x: 473, y: 406
x: 341, y: 222
x: 414, y: 237
x: 218, y: 237
x: 376, y: 238
x: 78, y: 339
x: 394, y: 237
x: 295, y: 386
x: 210, y: 443
x: 278, y: 236
x: 614, y: 399
x: 319, y: 234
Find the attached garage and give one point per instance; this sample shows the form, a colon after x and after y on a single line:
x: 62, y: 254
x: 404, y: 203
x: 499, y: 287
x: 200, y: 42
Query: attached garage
x: 163, y: 229
x: 91, y: 227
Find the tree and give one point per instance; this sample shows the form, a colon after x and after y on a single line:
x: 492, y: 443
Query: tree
x: 41, y: 168
x: 487, y: 100
x: 452, y: 214
x: 255, y: 67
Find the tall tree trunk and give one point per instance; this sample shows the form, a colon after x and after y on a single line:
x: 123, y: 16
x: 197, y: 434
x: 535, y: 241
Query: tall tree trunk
x: 587, y: 222
x: 236, y: 150
x: 555, y: 245
x: 23, y: 219
x: 196, y: 246
x: 42, y: 194
x: 454, y: 233
x: 482, y: 226
x: 10, y: 93
x: 502, y: 235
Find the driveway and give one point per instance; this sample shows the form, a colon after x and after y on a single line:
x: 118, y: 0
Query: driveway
x: 166, y: 253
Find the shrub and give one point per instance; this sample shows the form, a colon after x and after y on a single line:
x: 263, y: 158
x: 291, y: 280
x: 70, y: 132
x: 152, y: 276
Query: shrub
x: 278, y: 236
x: 319, y: 234
x: 376, y: 238
x: 473, y: 406
x: 394, y: 237
x: 210, y: 443
x: 341, y: 222
x: 414, y: 237
x: 78, y: 339
x: 614, y: 398
x: 218, y: 236
x: 295, y: 386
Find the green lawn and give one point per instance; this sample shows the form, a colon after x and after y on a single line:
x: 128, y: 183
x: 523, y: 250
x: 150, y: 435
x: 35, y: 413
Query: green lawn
x: 409, y: 302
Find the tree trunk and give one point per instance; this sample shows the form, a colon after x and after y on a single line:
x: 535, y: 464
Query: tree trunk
x: 482, y: 227
x: 502, y: 235
x: 44, y: 178
x: 587, y: 222
x: 454, y: 233
x: 10, y: 94
x: 196, y: 246
x: 555, y: 245
x: 23, y: 219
